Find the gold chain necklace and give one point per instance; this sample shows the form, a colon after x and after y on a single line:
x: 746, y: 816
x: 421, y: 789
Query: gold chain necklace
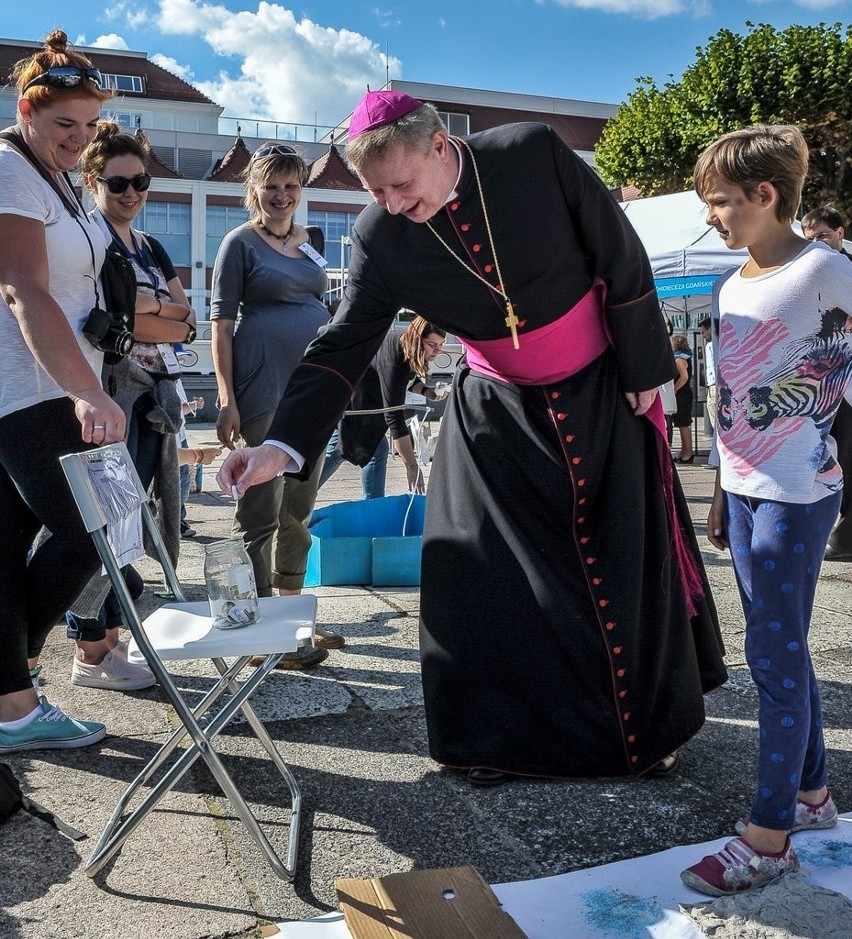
x: 511, y: 319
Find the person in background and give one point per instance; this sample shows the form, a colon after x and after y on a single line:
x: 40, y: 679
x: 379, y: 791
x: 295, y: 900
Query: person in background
x: 531, y: 581
x: 188, y: 407
x: 403, y: 357
x: 709, y: 369
x: 198, y: 456
x: 782, y: 327
x: 143, y: 383
x: 682, y: 418
x: 51, y: 399
x: 826, y: 224
x: 265, y: 307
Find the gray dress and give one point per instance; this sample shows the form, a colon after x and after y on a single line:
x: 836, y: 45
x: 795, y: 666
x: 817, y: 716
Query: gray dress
x: 275, y: 301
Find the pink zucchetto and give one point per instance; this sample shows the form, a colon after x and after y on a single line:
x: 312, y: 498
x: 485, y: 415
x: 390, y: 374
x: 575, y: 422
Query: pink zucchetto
x: 378, y: 108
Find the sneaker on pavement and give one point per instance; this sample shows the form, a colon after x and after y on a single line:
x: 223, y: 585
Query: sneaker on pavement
x: 738, y: 868
x: 113, y: 673
x: 186, y: 531
x: 808, y: 817
x: 328, y: 639
x: 298, y: 661
x: 51, y: 730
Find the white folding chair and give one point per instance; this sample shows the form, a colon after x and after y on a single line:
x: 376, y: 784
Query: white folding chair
x: 106, y: 488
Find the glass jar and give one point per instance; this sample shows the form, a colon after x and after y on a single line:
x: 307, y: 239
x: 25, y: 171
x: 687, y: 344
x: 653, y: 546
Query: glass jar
x: 230, y: 585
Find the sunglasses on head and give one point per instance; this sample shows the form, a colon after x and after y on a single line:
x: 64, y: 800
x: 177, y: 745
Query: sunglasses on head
x: 276, y: 150
x: 67, y: 76
x: 118, y: 184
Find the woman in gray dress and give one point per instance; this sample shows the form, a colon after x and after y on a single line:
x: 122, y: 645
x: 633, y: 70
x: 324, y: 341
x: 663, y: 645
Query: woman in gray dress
x: 266, y: 306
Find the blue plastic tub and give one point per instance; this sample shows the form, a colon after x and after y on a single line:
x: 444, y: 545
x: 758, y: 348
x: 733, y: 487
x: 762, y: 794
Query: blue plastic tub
x: 363, y: 542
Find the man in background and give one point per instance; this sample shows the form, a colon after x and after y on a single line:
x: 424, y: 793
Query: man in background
x: 826, y: 224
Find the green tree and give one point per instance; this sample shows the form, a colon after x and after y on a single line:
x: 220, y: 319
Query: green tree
x: 801, y: 75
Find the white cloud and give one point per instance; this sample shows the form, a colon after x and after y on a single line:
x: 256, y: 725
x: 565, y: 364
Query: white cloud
x: 127, y: 11
x: 644, y: 9
x: 110, y: 41
x: 386, y: 18
x: 173, y: 66
x: 819, y: 4
x: 284, y: 69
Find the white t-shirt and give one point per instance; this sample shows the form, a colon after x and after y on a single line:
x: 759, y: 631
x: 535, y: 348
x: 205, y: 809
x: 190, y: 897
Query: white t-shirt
x: 783, y: 364
x: 23, y: 382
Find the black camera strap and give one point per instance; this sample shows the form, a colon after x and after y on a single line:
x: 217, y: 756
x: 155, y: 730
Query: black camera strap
x: 75, y: 209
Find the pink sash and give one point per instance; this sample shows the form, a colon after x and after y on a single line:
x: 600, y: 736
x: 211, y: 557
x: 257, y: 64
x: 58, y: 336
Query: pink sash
x: 548, y: 354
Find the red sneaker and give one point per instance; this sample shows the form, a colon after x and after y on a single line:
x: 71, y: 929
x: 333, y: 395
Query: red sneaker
x: 738, y: 868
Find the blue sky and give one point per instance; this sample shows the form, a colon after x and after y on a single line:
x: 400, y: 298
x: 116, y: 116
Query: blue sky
x: 311, y: 62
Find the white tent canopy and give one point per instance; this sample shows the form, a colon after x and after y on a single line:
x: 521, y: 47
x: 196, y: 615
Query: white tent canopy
x: 686, y: 254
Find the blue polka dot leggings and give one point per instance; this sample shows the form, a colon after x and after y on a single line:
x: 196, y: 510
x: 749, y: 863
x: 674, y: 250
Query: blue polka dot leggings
x: 777, y: 550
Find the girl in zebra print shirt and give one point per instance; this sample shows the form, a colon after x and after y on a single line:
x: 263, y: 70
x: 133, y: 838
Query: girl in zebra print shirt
x: 782, y: 336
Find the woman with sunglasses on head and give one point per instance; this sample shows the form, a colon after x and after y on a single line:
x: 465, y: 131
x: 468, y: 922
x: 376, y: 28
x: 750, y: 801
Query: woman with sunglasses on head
x: 51, y: 399
x: 400, y: 365
x: 143, y: 383
x: 266, y: 307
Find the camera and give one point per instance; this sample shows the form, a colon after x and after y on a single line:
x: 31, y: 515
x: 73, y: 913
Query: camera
x: 107, y: 333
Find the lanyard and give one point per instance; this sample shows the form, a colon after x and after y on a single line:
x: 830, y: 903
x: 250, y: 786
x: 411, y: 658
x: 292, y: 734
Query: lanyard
x: 137, y: 255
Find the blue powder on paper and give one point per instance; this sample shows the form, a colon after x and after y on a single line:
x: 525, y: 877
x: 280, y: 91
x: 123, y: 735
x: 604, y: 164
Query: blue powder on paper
x: 619, y: 914
x: 833, y: 853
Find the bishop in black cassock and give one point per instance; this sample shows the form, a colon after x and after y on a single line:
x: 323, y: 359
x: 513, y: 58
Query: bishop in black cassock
x: 567, y: 627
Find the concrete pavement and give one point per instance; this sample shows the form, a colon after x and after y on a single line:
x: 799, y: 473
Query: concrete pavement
x: 374, y: 803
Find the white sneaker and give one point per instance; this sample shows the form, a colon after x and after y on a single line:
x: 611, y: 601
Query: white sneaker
x: 113, y: 673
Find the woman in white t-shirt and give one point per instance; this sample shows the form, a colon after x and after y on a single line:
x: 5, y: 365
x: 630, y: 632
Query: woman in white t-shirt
x: 144, y: 383
x: 51, y: 399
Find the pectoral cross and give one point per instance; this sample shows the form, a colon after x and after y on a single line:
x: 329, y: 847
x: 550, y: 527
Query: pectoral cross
x: 512, y: 322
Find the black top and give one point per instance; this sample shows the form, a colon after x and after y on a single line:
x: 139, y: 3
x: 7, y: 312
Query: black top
x: 555, y: 228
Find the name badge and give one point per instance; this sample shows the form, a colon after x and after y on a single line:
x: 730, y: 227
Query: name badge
x: 167, y: 352
x: 308, y: 250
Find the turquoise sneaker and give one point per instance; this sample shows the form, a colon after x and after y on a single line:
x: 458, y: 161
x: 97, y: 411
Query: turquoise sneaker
x: 51, y: 730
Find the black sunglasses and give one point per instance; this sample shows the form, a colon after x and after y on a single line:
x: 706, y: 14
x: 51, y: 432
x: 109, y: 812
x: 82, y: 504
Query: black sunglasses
x: 67, y: 76
x: 276, y: 150
x: 118, y: 184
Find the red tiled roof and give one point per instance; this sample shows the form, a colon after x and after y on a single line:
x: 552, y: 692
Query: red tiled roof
x: 230, y: 167
x: 157, y: 81
x: 159, y: 170
x: 331, y: 172
x: 626, y: 193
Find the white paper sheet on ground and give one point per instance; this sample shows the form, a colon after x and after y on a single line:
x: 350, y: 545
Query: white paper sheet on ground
x: 634, y: 899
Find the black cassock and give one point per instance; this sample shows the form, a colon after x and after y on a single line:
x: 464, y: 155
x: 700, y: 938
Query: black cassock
x: 555, y: 637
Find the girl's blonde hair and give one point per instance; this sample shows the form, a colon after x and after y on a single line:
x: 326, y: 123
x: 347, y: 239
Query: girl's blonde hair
x: 773, y: 153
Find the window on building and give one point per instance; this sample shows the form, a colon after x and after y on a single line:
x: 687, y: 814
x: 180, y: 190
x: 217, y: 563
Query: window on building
x: 124, y: 83
x: 335, y: 225
x: 169, y: 223
x: 129, y: 119
x: 220, y: 220
x: 458, y: 124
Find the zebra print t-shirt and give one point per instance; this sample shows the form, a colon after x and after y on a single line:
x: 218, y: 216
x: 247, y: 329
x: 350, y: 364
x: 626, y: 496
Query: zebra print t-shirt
x: 784, y: 361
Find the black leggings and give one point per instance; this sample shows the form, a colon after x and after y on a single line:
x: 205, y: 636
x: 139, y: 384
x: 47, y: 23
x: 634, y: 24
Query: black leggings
x: 35, y: 593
